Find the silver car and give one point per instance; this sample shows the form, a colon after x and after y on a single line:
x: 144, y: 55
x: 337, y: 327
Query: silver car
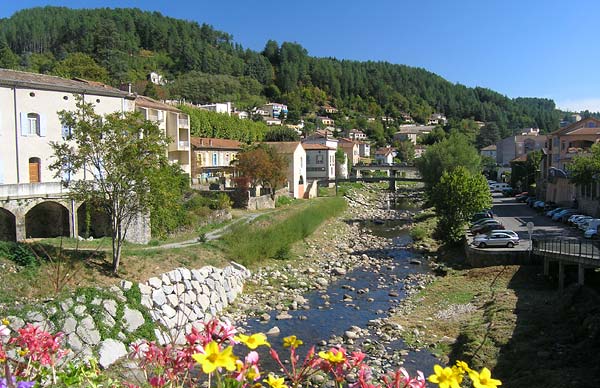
x: 496, y: 239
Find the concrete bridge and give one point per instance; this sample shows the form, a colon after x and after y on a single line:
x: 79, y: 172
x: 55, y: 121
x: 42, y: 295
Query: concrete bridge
x: 572, y: 252
x: 392, y: 181
x: 391, y: 171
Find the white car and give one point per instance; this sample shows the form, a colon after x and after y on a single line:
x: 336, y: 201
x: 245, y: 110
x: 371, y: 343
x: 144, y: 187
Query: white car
x: 496, y: 239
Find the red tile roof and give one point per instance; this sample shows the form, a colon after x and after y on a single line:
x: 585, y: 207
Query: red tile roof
x: 214, y: 143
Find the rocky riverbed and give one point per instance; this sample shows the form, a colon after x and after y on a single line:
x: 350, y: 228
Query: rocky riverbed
x: 329, y: 276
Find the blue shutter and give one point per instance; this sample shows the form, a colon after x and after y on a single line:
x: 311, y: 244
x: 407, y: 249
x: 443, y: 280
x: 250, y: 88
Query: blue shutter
x: 65, y: 132
x: 42, y: 125
x: 24, y: 124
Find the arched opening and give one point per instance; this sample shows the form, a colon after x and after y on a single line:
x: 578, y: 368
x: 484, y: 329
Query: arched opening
x: 47, y: 219
x: 8, y: 226
x: 92, y: 221
x: 34, y: 170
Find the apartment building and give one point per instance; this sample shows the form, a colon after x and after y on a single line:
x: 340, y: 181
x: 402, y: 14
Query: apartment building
x: 33, y: 202
x: 320, y: 162
x: 351, y: 149
x: 211, y: 159
x: 296, y: 170
x: 174, y: 123
x: 513, y: 147
x: 275, y: 110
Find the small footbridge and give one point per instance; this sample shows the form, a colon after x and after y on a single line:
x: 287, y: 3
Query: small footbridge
x: 568, y: 253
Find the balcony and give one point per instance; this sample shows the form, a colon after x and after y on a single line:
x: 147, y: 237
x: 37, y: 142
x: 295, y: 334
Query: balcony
x: 183, y: 145
x: 32, y: 190
x: 184, y: 122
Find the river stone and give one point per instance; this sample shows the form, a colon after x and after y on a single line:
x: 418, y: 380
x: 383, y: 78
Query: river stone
x: 168, y: 311
x: 79, y: 310
x: 155, y: 283
x: 144, y: 289
x: 110, y: 306
x: 283, y: 316
x: 273, y: 331
x: 338, y: 271
x: 74, y: 343
x: 132, y: 319
x: 173, y: 300
x: 69, y: 325
x: 126, y: 285
x: 66, y: 304
x: 35, y: 316
x: 158, y: 297
x: 87, y: 331
x: 110, y: 350
x: 204, y: 302
x: 15, y: 323
x: 146, y: 301
x: 185, y: 273
x: 174, y: 276
x: 167, y: 289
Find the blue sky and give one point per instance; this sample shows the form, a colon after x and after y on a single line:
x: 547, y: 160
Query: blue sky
x: 529, y: 48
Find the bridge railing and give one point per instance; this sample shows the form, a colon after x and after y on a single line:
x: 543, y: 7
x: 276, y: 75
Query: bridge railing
x: 573, y: 247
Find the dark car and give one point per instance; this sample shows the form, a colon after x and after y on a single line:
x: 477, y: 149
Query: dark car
x: 530, y: 201
x: 510, y: 192
x: 482, y: 214
x: 487, y: 228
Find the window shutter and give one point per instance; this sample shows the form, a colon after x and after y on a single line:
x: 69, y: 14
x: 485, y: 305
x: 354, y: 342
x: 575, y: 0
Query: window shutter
x: 42, y: 125
x: 24, y: 124
x: 65, y: 132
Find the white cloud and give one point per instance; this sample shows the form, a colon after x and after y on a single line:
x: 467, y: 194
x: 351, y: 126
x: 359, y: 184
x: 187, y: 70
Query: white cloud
x: 591, y: 104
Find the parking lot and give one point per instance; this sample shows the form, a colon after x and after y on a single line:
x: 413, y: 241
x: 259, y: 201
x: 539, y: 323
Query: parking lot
x: 515, y: 216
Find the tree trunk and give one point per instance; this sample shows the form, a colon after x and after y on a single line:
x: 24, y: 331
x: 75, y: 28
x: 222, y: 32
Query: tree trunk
x: 117, y: 242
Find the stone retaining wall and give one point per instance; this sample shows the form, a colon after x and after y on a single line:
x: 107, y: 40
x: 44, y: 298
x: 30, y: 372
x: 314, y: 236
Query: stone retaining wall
x: 182, y: 298
x: 486, y: 258
x: 103, y: 322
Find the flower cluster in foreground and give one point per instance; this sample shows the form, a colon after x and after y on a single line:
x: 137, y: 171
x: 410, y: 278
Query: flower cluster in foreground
x: 214, y: 355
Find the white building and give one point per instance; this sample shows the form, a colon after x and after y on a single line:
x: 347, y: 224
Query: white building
x: 275, y: 110
x: 174, y: 123
x: 219, y: 107
x: 296, y: 171
x: 320, y: 162
x: 385, y: 156
x: 437, y: 119
x: 412, y: 132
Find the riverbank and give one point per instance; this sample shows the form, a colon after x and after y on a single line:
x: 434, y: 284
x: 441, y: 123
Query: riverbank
x: 509, y: 319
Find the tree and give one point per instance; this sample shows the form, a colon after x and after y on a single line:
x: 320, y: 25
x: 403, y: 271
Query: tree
x: 282, y: 134
x: 446, y: 155
x: 8, y: 59
x: 435, y: 136
x: 524, y: 172
x: 81, y: 65
x: 458, y: 195
x: 405, y: 150
x: 585, y: 168
x: 119, y: 154
x: 262, y: 165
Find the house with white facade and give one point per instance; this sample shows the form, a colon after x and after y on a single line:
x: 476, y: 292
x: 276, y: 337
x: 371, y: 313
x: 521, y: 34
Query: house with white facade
x: 320, y: 162
x: 385, y: 156
x: 275, y: 110
x: 325, y: 122
x: 296, y: 170
x: 437, y: 119
x: 174, y: 123
x: 412, y: 132
x: 219, y: 107
x: 364, y: 149
x: 351, y: 149
x: 212, y: 158
x: 356, y: 134
x: 33, y: 202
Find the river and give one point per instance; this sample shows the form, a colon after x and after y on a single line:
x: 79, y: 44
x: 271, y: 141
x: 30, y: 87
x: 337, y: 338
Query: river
x: 351, y: 310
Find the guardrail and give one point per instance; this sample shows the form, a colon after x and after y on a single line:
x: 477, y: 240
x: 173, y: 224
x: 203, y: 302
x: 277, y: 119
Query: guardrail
x: 565, y: 247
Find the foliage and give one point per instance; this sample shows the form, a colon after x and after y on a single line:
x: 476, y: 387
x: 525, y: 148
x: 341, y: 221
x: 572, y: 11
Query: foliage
x: 418, y: 233
x: 119, y: 165
x: 281, y: 134
x: 213, y: 124
x: 262, y: 165
x: 585, y: 167
x: 248, y: 244
x: 168, y: 186
x: 82, y: 66
x: 18, y: 253
x: 523, y: 174
x: 435, y: 136
x: 207, y: 65
x: 446, y: 155
x: 405, y: 150
x: 283, y: 200
x: 459, y: 194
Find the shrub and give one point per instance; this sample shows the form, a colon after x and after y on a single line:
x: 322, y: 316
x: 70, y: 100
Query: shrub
x: 18, y: 253
x: 418, y: 233
x: 283, y: 200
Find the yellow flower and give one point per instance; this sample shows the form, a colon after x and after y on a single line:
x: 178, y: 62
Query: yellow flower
x: 463, y: 366
x: 333, y: 357
x: 483, y: 379
x: 5, y: 322
x: 275, y: 382
x: 253, y: 341
x: 444, y: 377
x: 292, y: 342
x: 23, y: 352
x: 213, y: 358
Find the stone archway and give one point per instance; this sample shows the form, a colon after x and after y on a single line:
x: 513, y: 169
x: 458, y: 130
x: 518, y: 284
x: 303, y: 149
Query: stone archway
x: 92, y: 221
x: 47, y: 219
x: 8, y: 226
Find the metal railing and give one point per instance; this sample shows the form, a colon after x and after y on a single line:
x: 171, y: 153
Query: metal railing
x: 568, y: 247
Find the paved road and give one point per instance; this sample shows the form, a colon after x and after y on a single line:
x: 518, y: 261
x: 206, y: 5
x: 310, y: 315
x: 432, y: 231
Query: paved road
x: 515, y: 216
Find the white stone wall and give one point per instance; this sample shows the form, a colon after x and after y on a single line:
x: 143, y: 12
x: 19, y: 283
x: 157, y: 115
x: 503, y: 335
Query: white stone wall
x: 181, y: 298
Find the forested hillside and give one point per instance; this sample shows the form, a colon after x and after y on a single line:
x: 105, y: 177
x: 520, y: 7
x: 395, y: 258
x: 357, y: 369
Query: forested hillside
x: 205, y: 65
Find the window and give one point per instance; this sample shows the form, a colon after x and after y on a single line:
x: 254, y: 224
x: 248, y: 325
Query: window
x: 33, y: 124
x: 34, y: 170
x: 319, y: 159
x: 215, y: 159
x: 562, y: 146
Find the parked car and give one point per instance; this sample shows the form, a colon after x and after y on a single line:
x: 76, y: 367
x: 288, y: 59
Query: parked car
x: 510, y: 192
x: 522, y: 197
x: 483, y: 214
x: 498, y: 187
x: 511, y: 233
x: 538, y: 205
x: 568, y: 212
x: 566, y: 216
x: 576, y: 217
x: 530, y: 201
x: 483, y: 221
x: 496, y: 239
x: 581, y: 220
x: 484, y: 228
x: 588, y: 224
x: 552, y: 212
x: 550, y: 206
x: 591, y: 233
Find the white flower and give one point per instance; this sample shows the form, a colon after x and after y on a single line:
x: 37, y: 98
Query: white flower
x: 4, y: 331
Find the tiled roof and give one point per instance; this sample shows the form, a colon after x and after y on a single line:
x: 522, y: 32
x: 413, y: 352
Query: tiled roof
x: 147, y: 102
x: 284, y: 147
x: 489, y: 148
x: 580, y: 127
x: 49, y: 82
x: 311, y: 147
x: 214, y: 143
x: 384, y: 151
